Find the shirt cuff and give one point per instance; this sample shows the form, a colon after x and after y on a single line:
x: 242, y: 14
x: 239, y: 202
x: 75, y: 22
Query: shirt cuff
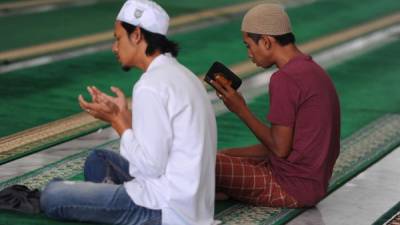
x: 126, y: 141
x: 280, y: 121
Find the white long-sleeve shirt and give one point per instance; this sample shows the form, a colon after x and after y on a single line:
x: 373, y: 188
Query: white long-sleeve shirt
x: 171, y: 148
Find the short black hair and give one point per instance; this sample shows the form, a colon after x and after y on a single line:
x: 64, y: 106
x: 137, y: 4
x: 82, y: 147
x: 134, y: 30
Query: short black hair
x: 154, y: 41
x: 283, y: 39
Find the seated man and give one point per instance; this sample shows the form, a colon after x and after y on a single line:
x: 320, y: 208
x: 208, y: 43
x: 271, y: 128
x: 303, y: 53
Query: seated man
x: 166, y: 166
x: 292, y: 164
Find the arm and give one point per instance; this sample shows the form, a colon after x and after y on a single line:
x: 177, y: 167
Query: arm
x: 276, y: 139
x: 254, y: 151
x: 147, y: 145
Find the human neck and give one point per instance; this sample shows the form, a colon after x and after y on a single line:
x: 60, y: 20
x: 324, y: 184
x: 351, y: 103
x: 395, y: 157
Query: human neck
x: 286, y: 53
x: 146, y: 61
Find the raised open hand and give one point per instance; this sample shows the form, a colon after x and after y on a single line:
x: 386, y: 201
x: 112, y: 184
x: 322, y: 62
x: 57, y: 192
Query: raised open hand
x: 110, y: 109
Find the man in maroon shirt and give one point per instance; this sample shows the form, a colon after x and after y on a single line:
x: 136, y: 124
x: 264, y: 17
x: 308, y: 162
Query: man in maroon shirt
x: 293, y: 163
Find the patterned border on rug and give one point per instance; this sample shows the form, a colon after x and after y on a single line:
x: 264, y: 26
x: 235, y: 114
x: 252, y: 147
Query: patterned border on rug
x: 358, y: 152
x: 391, y: 217
x: 65, y: 169
x: 38, y: 138
x: 395, y: 220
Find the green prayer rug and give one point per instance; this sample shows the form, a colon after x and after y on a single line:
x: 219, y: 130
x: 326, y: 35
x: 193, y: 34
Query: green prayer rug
x: 38, y: 89
x: 358, y: 151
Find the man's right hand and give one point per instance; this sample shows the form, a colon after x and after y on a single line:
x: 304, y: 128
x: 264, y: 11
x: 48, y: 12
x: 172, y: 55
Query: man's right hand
x: 232, y: 99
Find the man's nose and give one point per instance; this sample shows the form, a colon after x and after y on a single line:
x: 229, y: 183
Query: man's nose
x: 249, y: 54
x: 114, y: 48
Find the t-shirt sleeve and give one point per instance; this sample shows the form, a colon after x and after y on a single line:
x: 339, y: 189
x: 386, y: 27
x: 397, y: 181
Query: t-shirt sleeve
x: 284, y: 96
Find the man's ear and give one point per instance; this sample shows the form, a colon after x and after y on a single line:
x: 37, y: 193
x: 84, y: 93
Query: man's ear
x: 136, y: 35
x: 265, y: 41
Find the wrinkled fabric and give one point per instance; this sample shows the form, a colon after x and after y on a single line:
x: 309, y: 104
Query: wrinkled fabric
x: 21, y: 199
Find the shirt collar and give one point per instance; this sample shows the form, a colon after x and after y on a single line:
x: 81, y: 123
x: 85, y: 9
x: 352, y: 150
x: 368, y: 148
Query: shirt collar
x: 159, y: 60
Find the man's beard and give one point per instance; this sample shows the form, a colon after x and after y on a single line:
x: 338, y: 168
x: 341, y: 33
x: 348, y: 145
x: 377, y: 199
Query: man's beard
x: 126, y: 68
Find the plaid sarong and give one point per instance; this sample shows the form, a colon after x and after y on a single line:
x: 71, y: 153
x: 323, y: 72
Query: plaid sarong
x: 250, y: 181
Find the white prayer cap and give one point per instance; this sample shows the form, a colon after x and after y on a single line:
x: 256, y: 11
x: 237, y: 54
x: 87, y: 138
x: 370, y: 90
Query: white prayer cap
x: 145, y: 14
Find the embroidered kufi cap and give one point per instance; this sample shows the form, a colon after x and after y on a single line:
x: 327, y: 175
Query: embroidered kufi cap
x: 268, y: 19
x: 145, y: 14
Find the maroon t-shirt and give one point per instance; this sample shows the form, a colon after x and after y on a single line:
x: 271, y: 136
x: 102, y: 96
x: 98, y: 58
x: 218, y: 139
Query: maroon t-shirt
x: 303, y: 96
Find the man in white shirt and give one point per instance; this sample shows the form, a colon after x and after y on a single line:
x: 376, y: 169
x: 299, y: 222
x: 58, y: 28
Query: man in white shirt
x: 165, y: 170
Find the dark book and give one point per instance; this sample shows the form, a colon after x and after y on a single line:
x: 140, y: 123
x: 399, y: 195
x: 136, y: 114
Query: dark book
x: 223, y: 75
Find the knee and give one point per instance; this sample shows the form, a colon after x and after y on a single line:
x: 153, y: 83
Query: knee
x: 222, y: 157
x: 51, y: 198
x: 94, y: 158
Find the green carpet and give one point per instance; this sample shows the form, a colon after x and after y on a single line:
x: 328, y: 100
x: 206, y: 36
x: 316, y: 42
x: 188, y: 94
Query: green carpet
x: 359, y: 151
x: 361, y: 146
x: 71, y: 22
x: 31, y: 29
x: 49, y: 92
x: 367, y: 93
